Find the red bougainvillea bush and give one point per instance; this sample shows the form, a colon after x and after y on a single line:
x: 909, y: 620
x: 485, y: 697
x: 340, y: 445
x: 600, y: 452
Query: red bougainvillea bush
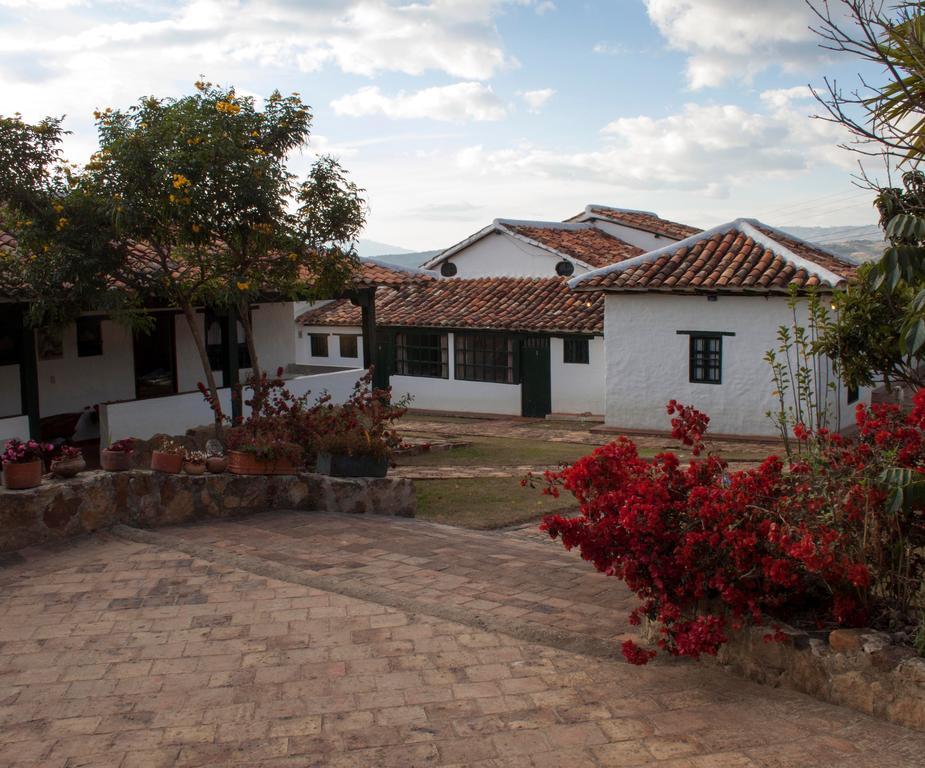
x: 707, y: 549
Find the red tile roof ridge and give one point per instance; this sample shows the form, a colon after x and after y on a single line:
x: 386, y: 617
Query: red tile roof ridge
x: 509, y: 227
x: 750, y: 228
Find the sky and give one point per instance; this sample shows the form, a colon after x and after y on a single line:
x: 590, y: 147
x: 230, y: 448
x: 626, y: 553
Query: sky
x: 451, y: 113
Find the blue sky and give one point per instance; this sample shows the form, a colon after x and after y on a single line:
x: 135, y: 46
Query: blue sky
x: 453, y: 112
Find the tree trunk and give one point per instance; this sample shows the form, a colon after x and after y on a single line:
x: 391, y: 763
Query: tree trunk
x: 245, y: 318
x: 196, y: 330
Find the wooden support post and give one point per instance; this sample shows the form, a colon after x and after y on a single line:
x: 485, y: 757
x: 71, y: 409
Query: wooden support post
x: 29, y: 377
x: 230, y: 375
x: 368, y: 309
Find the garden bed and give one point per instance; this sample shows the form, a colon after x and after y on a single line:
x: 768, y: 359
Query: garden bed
x: 857, y: 668
x: 61, y: 509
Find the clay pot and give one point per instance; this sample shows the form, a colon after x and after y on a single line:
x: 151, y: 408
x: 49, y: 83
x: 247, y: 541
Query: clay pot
x: 65, y: 468
x: 115, y: 461
x: 194, y: 469
x: 241, y: 463
x: 171, y: 463
x: 18, y: 477
x: 217, y: 464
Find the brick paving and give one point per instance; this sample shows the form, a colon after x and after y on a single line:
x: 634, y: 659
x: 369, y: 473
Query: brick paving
x: 486, y: 576
x: 124, y: 654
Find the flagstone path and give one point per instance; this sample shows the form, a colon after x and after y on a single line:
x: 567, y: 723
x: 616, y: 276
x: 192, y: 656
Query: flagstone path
x: 215, y: 645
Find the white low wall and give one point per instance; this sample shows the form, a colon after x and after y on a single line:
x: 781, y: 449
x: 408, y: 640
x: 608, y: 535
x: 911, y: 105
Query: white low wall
x: 171, y: 415
x: 458, y: 396
x: 174, y: 414
x: 14, y: 426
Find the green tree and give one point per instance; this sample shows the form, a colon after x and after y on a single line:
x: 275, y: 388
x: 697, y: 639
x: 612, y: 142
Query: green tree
x: 879, y: 332
x: 201, y: 187
x: 66, y: 253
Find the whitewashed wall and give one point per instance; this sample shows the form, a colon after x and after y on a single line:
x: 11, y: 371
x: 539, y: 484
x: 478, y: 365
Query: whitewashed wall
x: 10, y: 400
x: 648, y: 362
x: 499, y: 254
x: 303, y: 353
x: 576, y: 387
x: 14, y: 426
x: 71, y: 383
x: 275, y: 345
x: 645, y: 240
x: 175, y: 414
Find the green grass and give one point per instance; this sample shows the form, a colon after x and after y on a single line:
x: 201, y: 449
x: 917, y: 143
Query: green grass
x: 499, y: 452
x: 483, y: 503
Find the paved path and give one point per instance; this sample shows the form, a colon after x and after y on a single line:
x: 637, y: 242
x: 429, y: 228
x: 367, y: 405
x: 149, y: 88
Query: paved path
x: 466, y: 472
x: 126, y: 653
x: 557, y: 432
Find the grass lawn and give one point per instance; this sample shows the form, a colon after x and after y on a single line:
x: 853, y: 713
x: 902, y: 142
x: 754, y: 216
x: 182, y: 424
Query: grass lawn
x: 483, y: 503
x: 499, y: 452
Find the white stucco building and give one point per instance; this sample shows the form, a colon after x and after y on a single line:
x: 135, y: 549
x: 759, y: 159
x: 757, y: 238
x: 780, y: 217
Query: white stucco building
x: 692, y: 321
x: 503, y: 295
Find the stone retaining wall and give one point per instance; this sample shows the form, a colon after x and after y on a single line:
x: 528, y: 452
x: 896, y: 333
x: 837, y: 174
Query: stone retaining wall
x: 60, y: 509
x: 857, y: 668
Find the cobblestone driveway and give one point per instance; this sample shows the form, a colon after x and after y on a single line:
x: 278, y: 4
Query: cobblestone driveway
x: 126, y: 653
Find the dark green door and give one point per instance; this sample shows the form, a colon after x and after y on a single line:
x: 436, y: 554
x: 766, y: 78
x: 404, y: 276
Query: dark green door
x: 536, y: 387
x: 383, y: 361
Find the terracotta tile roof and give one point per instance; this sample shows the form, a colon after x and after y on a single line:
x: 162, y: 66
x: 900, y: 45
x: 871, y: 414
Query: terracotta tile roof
x: 569, y: 240
x: 373, y: 273
x: 586, y: 243
x: 744, y: 256
x: 489, y: 303
x: 644, y: 220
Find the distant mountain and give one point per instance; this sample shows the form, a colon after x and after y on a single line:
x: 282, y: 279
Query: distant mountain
x: 368, y: 249
x: 861, y: 243
x: 407, y: 259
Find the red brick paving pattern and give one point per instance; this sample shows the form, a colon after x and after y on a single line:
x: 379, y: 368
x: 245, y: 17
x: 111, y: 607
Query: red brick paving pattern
x: 115, y: 653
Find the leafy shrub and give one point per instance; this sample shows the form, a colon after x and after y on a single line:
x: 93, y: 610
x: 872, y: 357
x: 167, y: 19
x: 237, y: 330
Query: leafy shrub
x: 706, y: 549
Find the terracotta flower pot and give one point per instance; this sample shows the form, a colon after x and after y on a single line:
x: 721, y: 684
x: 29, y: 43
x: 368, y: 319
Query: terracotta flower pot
x: 115, y: 461
x: 170, y: 463
x: 217, y: 464
x: 194, y: 469
x: 242, y: 463
x: 65, y: 468
x: 18, y: 477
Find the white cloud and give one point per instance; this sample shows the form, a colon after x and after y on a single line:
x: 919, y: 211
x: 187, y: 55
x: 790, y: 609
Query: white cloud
x: 706, y: 148
x: 457, y: 102
x: 736, y: 38
x: 609, y: 49
x: 536, y: 100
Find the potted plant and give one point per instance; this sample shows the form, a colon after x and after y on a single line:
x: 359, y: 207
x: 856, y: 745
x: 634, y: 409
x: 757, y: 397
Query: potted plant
x: 194, y: 463
x: 357, y: 439
x: 261, y: 453
x: 168, y: 457
x: 68, y: 463
x: 22, y: 464
x: 216, y: 460
x: 118, y: 456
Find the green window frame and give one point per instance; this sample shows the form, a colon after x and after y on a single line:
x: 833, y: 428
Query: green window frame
x: 319, y: 344
x: 422, y: 354
x: 706, y: 358
x: 576, y: 350
x: 484, y: 357
x: 348, y: 346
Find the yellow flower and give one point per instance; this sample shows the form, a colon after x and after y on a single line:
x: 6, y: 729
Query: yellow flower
x: 180, y: 181
x: 255, y: 134
x: 173, y: 198
x: 243, y: 286
x: 227, y: 108
x: 62, y: 223
x: 293, y: 256
x: 58, y: 207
